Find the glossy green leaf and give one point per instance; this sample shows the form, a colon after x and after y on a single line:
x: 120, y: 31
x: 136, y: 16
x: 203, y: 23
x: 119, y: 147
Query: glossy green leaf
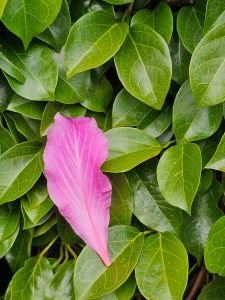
x: 217, y: 162
x: 208, y: 148
x: 20, y: 251
x: 206, y: 181
x: 215, y: 248
x: 127, y: 110
x: 6, y: 94
x: 155, y: 122
x: 6, y: 141
x: 162, y: 270
x: 93, y: 40
x: 160, y: 19
x: 7, y: 244
x: 39, y: 69
x: 214, y: 290
x: 61, y: 285
x: 26, y: 107
x: 150, y: 207
x: 2, y: 7
x: 128, y: 147
x: 93, y: 279
x: 179, y: 173
x: 8, y: 67
x: 9, y: 221
x: 55, y: 35
x: 195, y: 228
x: 21, y: 168
x: 29, y: 18
x: 122, y: 200
x: 191, y: 123
x: 213, y: 10
x: 32, y: 279
x: 143, y: 65
x: 207, y: 68
x: 190, y: 23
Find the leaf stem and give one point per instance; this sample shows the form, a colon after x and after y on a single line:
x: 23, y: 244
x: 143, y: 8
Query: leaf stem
x: 60, y: 256
x: 128, y: 11
x: 73, y: 253
x: 48, y: 246
x: 148, y: 232
x: 197, y: 284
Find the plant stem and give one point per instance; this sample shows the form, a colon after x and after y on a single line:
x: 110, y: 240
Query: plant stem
x: 196, y: 284
x: 128, y: 11
x: 48, y: 246
x: 73, y: 253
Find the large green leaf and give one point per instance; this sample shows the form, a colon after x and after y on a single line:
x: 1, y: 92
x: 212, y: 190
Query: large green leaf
x: 215, y: 248
x: 178, y: 175
x: 31, y: 281
x: 6, y: 141
x: 93, y: 40
x: 214, y: 290
x: 162, y: 270
x: 9, y: 221
x: 122, y: 200
x: 29, y: 18
x: 143, y: 65
x: 207, y: 68
x: 190, y: 23
x: 93, y: 279
x: 128, y: 147
x: 160, y: 19
x: 38, y: 67
x: 149, y: 205
x: 195, y: 228
x: 191, y: 123
x: 217, y: 162
x: 19, y: 170
x: 213, y: 10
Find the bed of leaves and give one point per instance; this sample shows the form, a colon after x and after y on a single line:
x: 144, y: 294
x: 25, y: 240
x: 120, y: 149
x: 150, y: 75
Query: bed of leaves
x: 153, y: 76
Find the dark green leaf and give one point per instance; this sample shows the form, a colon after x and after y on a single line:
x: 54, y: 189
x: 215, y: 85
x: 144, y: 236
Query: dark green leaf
x: 5, y: 94
x: 6, y: 141
x: 144, y: 66
x: 9, y: 221
x: 213, y: 10
x: 65, y: 231
x: 214, y: 290
x: 206, y: 181
x: 7, y: 244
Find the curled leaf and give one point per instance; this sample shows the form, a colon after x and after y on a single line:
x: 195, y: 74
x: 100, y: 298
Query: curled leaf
x: 75, y: 150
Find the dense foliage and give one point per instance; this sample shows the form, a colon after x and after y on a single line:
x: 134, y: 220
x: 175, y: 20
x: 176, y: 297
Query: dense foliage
x: 152, y: 74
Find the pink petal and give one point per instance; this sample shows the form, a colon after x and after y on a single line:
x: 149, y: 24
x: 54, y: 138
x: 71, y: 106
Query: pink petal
x: 75, y: 150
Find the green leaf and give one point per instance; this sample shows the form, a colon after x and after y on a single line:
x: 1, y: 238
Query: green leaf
x: 6, y: 141
x: 144, y: 66
x: 215, y: 248
x: 93, y: 40
x: 208, y: 148
x: 128, y: 147
x: 213, y: 10
x: 122, y: 200
x: 160, y: 19
x: 150, y: 207
x: 8, y: 67
x: 61, y: 285
x: 29, y: 18
x: 9, y: 221
x: 2, y: 7
x: 20, y: 251
x: 214, y: 290
x: 73, y: 90
x: 93, y: 279
x: 195, y: 228
x: 191, y: 123
x: 156, y: 122
x: 206, y: 181
x: 55, y: 35
x: 162, y: 270
x: 207, y: 68
x: 7, y: 244
x: 6, y: 94
x: 38, y: 67
x: 26, y: 107
x: 217, y: 162
x: 190, y: 23
x: 179, y: 173
x: 18, y: 137
x: 32, y: 279
x: 103, y: 120
x: 118, y: 2
x: 21, y: 168
x: 127, y: 110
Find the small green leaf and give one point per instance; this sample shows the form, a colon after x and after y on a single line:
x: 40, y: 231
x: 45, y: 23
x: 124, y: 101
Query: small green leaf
x: 162, y: 270
x: 179, y: 173
x: 191, y: 123
x: 122, y: 200
x: 6, y: 141
x: 93, y: 40
x: 207, y: 67
x: 215, y: 248
x: 160, y: 19
x: 213, y: 12
x: 118, y: 2
x: 217, y: 162
x: 39, y: 69
x: 214, y: 290
x: 9, y: 221
x: 149, y: 205
x: 7, y: 244
x: 32, y: 279
x: 29, y: 18
x: 92, y: 279
x: 144, y: 66
x: 8, y: 67
x: 128, y: 147
x: 21, y: 168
